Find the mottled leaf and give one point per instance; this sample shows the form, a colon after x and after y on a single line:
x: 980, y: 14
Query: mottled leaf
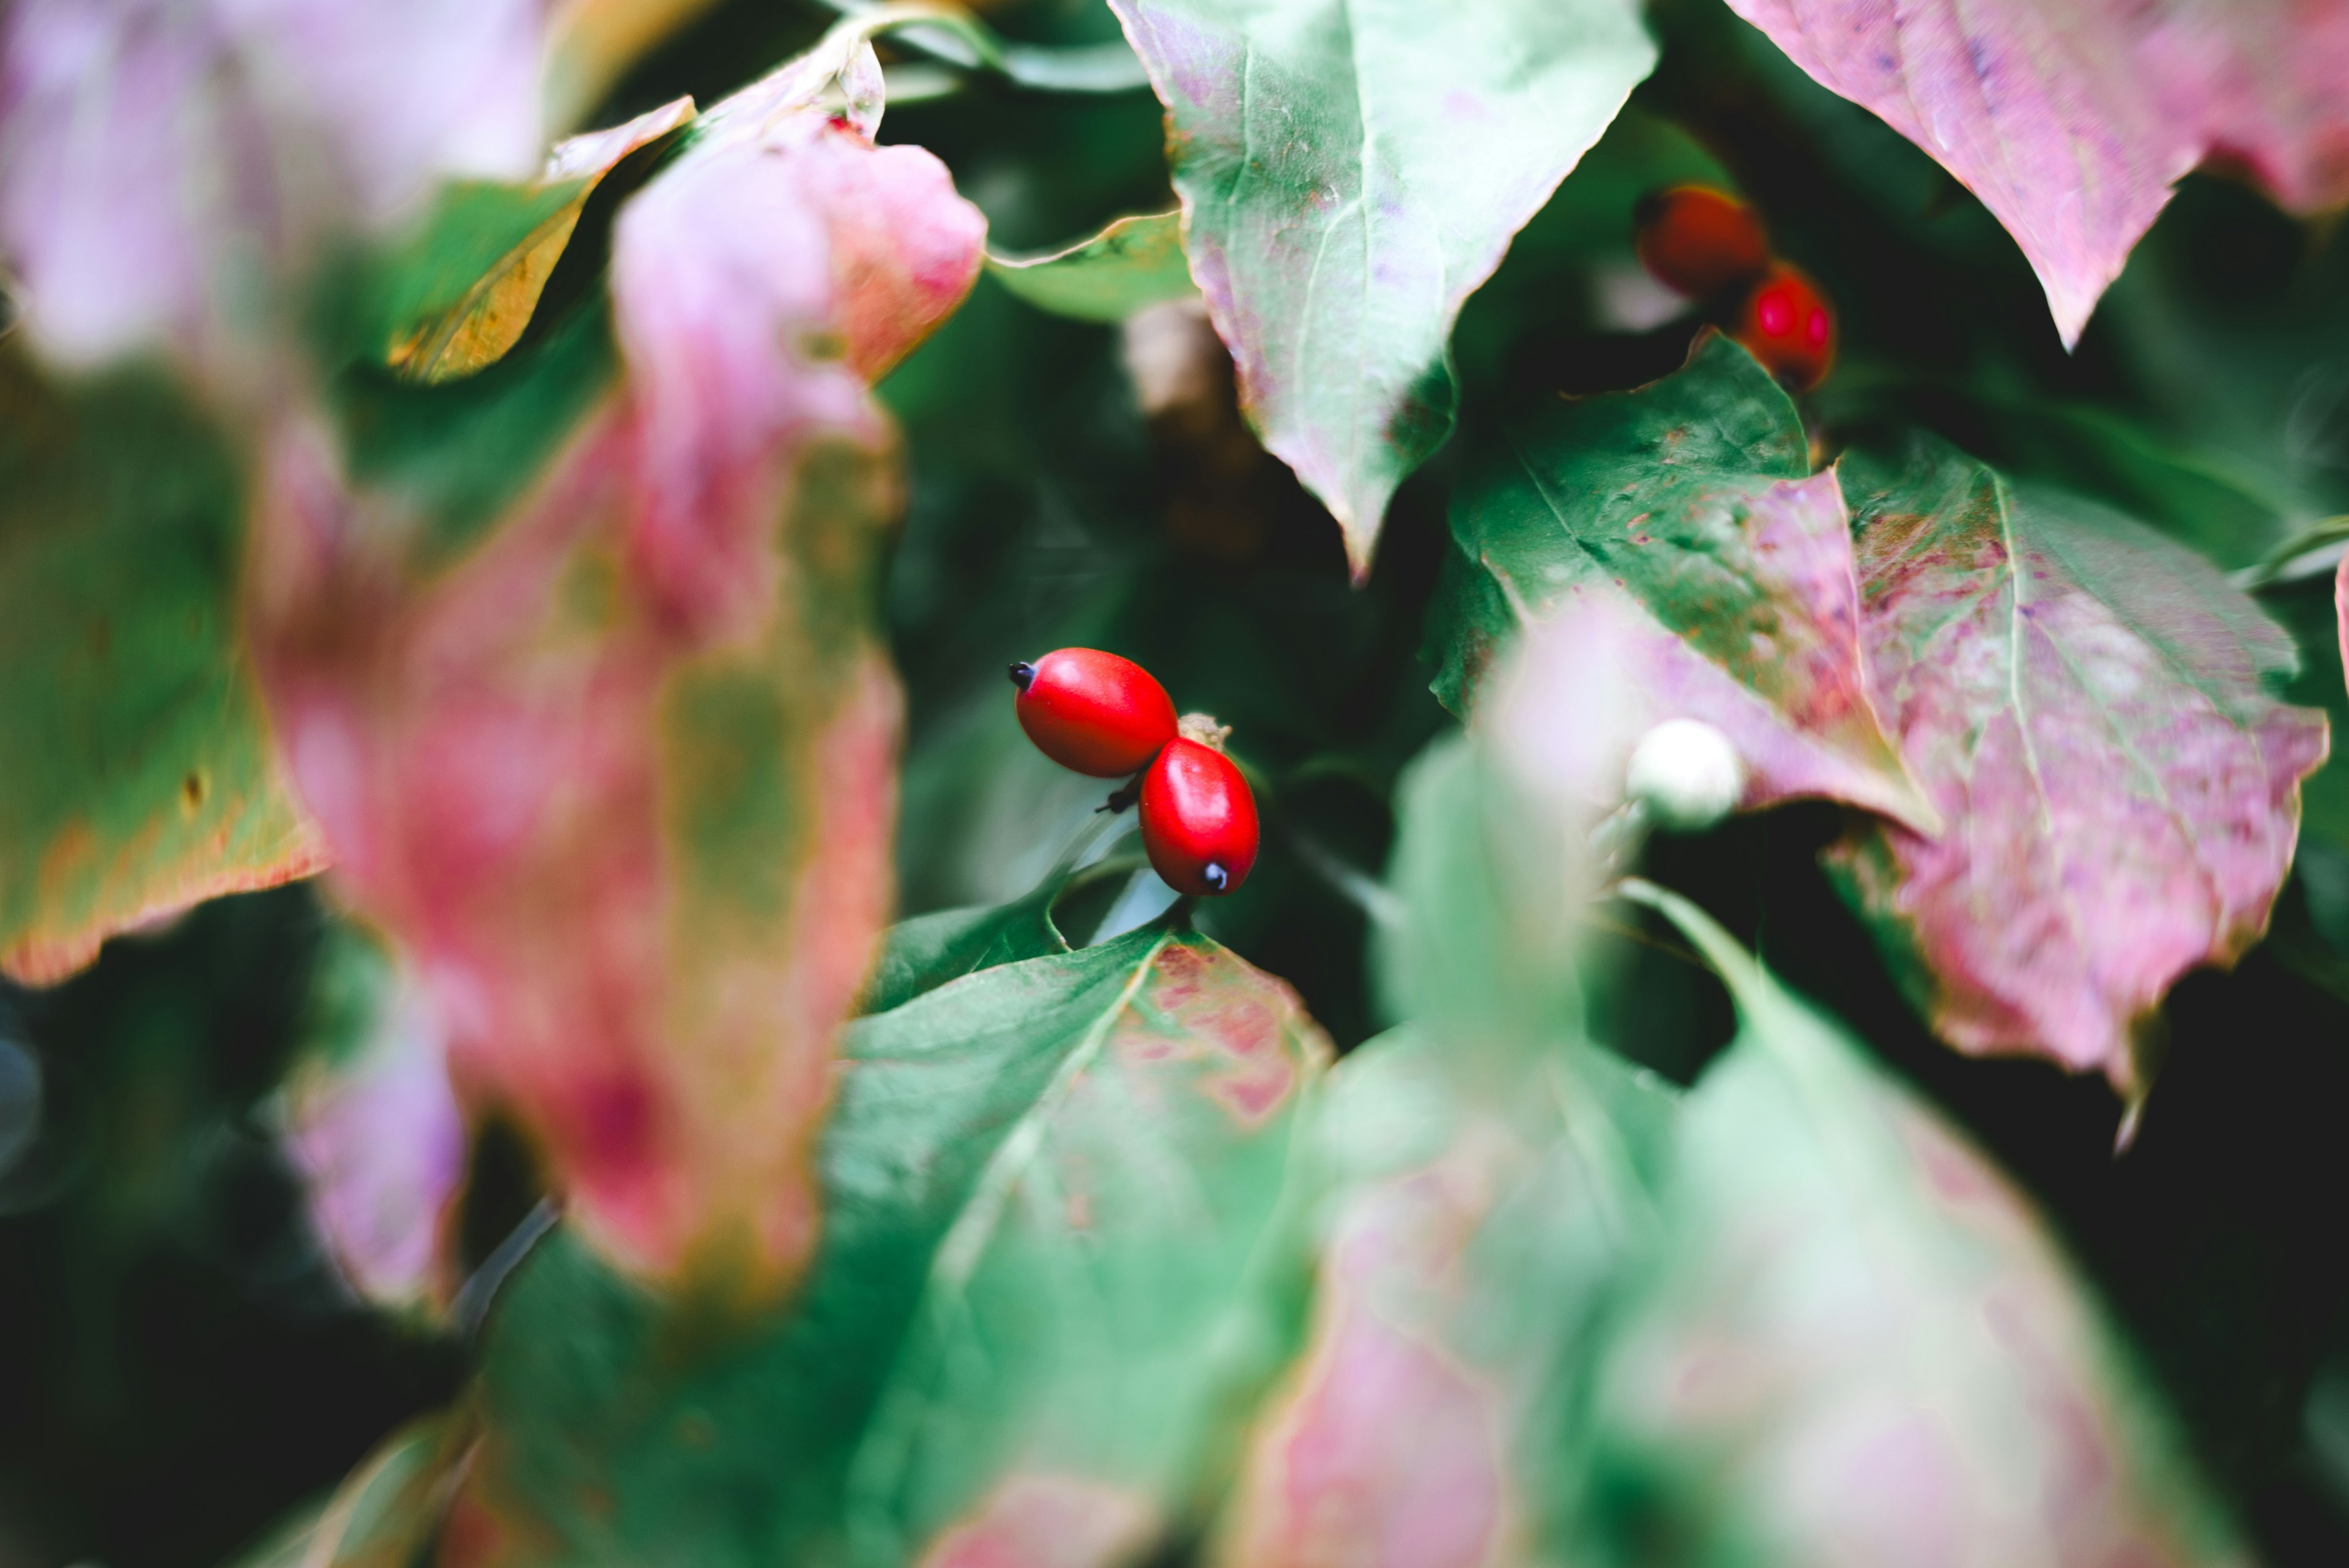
x: 2071, y: 119
x: 2083, y: 700
x: 1858, y: 1345
x: 372, y: 1123
x: 1349, y: 172
x: 465, y: 309
x: 621, y: 775
x: 165, y: 165
x: 1053, y: 1191
x: 140, y: 776
x: 1687, y: 511
x: 1133, y: 264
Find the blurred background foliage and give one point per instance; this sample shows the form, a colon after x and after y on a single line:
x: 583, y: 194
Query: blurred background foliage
x: 179, y: 1363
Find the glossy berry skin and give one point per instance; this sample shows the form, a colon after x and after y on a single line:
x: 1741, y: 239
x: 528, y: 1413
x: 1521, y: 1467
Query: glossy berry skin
x: 1093, y: 711
x: 1788, y: 325
x: 1198, y: 820
x: 1699, y: 240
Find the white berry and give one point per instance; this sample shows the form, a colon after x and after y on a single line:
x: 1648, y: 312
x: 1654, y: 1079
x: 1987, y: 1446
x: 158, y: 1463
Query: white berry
x: 1686, y: 774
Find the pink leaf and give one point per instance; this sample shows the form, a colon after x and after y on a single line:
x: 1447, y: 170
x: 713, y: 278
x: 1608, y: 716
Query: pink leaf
x: 376, y: 1129
x: 161, y: 165
x: 623, y: 778
x: 2083, y: 701
x: 2071, y: 118
x: 2341, y: 610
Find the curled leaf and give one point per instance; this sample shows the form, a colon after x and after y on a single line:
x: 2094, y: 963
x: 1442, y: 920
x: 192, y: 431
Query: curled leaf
x: 1350, y: 173
x: 2072, y: 120
x: 2083, y: 702
x: 442, y: 338
x: 1134, y: 264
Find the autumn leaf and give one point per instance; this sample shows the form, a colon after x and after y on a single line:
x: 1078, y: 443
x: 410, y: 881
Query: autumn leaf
x: 1348, y: 175
x: 2083, y: 701
x: 142, y: 776
x: 2072, y: 121
x: 1685, y: 516
x: 1858, y: 1342
x: 440, y: 338
x: 619, y: 771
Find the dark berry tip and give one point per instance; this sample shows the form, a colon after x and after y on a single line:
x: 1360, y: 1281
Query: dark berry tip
x: 1024, y: 676
x: 1214, y: 875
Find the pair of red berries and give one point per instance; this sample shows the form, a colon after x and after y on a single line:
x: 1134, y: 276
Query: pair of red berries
x: 1707, y: 245
x: 1108, y: 718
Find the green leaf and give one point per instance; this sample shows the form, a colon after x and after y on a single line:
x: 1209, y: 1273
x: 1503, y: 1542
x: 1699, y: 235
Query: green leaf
x: 1859, y: 1344
x: 1348, y: 175
x: 1133, y: 264
x: 140, y: 774
x: 926, y: 952
x: 1691, y: 507
x: 1054, y: 1194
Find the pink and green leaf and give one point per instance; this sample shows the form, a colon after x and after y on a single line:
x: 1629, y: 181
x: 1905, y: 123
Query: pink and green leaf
x: 1686, y: 513
x: 620, y: 776
x: 2083, y: 702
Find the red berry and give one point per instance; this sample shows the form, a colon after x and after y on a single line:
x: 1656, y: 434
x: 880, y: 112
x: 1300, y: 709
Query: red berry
x: 1198, y: 819
x: 1699, y: 240
x: 1788, y: 325
x: 1093, y: 711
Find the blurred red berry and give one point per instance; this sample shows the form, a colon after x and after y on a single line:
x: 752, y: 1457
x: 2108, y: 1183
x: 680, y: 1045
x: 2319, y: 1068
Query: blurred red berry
x: 1789, y: 326
x: 1198, y: 819
x: 1699, y: 240
x: 1093, y: 711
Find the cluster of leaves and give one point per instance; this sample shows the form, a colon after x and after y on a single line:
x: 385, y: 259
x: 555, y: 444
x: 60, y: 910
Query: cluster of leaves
x: 516, y: 548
